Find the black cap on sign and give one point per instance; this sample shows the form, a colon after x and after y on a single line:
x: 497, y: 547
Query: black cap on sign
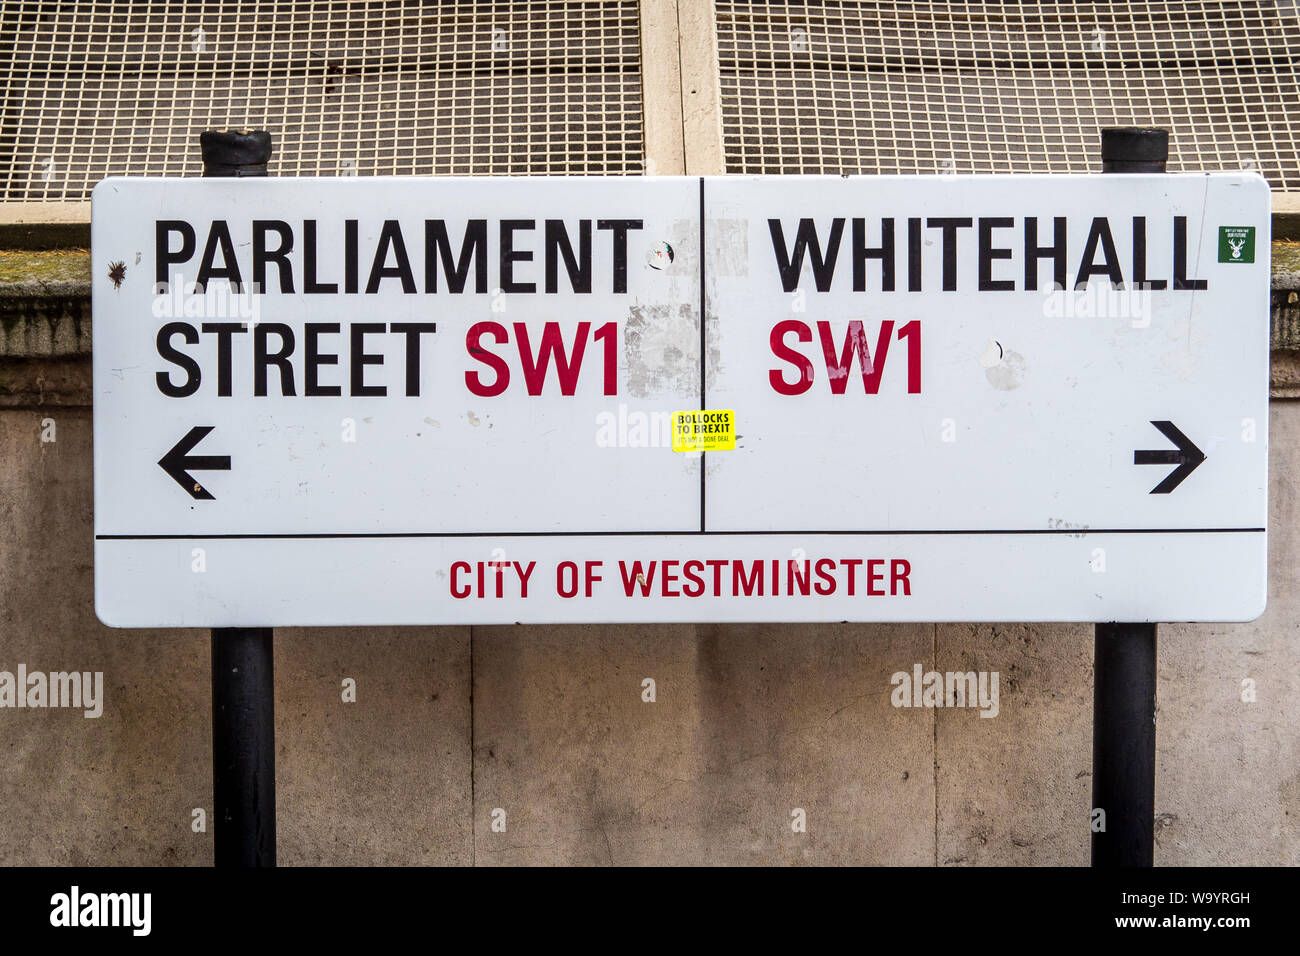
x: 1134, y: 149
x: 235, y: 152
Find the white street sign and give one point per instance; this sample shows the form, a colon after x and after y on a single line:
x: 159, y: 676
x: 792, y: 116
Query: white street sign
x: 438, y: 401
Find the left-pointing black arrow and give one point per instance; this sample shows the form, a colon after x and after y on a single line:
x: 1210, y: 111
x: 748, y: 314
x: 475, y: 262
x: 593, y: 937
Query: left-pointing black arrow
x: 179, y: 462
x: 1187, y: 457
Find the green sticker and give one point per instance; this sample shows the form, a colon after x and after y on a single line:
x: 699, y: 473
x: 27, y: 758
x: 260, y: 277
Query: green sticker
x: 1236, y: 243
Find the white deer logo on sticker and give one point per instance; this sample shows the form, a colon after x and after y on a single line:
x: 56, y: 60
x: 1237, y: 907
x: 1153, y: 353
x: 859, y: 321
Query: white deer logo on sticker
x: 1236, y: 245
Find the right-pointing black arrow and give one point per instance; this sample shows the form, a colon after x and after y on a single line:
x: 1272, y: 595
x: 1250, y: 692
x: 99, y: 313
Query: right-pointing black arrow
x: 1188, y: 457
x: 179, y: 462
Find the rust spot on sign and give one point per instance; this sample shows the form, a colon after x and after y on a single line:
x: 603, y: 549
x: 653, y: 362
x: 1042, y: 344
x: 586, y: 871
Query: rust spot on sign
x: 116, y: 273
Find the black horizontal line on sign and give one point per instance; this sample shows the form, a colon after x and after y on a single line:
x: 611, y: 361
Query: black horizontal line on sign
x: 661, y: 534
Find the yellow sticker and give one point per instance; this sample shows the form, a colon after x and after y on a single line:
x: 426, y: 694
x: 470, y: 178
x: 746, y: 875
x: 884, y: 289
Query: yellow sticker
x: 704, y: 431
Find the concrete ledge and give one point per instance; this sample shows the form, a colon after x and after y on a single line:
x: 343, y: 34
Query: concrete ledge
x: 45, y: 382
x: 1284, y: 307
x: 1285, y: 319
x: 1284, y: 375
x: 42, y: 319
x: 44, y: 303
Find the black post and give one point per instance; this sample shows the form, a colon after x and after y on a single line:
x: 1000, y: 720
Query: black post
x: 243, y: 675
x: 1124, y: 660
x: 243, y: 747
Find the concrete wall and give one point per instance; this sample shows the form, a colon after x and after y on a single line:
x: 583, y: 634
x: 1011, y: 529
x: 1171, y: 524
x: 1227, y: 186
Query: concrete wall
x: 548, y: 724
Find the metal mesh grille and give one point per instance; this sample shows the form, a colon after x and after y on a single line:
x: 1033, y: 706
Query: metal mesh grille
x: 904, y: 87
x: 97, y: 88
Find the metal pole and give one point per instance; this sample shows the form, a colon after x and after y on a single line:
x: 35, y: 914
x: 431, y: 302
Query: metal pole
x: 243, y: 747
x: 1124, y: 662
x: 243, y: 675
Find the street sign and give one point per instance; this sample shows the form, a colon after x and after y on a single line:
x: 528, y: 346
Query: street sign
x: 438, y: 401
